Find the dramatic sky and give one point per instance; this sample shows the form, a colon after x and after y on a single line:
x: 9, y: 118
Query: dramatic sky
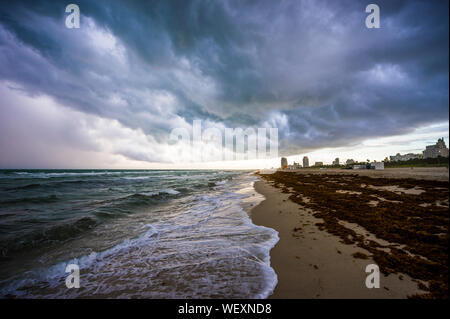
x: 109, y: 93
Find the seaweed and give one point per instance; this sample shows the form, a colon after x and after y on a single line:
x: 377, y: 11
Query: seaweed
x: 360, y: 255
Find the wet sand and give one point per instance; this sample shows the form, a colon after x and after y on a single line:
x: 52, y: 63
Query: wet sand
x: 313, y: 263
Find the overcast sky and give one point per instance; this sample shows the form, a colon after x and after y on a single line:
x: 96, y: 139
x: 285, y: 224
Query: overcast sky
x: 108, y: 94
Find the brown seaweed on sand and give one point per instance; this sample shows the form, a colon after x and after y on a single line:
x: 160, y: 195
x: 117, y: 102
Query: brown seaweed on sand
x: 411, y: 215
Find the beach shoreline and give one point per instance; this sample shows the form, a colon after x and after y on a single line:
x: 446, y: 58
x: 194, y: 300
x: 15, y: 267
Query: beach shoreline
x: 313, y: 263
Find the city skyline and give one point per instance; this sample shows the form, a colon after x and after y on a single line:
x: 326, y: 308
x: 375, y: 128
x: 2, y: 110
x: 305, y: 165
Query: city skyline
x: 361, y: 158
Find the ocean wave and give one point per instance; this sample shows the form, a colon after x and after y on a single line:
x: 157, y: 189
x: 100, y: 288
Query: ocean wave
x: 34, y: 199
x: 168, y: 191
x: 48, y: 235
x: 137, y: 177
x: 221, y: 182
x: 28, y: 186
x: 151, y: 196
x: 127, y: 204
x: 49, y: 175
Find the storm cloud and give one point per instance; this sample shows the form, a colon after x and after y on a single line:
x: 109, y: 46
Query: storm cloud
x: 310, y: 68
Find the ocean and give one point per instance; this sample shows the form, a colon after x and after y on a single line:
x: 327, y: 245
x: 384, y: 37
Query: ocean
x: 133, y: 234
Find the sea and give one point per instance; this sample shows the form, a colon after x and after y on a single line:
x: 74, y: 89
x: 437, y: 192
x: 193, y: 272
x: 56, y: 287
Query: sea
x: 132, y: 234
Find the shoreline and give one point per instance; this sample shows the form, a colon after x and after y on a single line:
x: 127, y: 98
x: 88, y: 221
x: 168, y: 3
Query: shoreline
x: 313, y: 263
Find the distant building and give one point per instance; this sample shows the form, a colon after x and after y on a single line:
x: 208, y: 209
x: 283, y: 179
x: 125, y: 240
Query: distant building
x: 294, y: 166
x: 377, y: 165
x: 405, y: 157
x: 438, y: 149
x: 359, y: 166
x: 336, y: 161
x: 318, y: 164
x: 297, y: 165
x: 305, y: 161
x: 349, y: 162
x: 284, y: 162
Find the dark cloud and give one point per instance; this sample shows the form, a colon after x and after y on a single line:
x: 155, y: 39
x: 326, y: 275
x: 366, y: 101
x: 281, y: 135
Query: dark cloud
x: 311, y: 68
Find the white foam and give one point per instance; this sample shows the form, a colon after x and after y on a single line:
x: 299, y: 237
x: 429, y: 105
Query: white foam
x: 138, y: 177
x: 168, y: 191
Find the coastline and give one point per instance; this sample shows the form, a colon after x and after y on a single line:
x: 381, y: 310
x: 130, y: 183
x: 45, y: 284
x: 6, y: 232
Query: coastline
x: 312, y: 263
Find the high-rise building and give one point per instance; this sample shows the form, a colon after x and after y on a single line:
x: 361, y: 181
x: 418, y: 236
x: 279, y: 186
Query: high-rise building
x: 284, y: 162
x: 318, y: 164
x: 439, y: 149
x: 336, y: 161
x: 305, y: 161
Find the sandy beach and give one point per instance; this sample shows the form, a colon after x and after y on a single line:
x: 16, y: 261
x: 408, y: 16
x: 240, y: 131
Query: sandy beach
x: 314, y: 260
x: 421, y: 173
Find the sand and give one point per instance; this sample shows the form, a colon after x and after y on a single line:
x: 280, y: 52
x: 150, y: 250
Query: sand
x: 311, y: 263
x: 425, y: 173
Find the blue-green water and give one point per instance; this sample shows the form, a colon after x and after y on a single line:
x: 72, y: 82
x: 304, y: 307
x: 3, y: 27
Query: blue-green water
x: 133, y: 233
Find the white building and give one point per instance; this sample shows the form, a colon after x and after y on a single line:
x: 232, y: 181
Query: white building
x: 377, y: 165
x: 405, y: 157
